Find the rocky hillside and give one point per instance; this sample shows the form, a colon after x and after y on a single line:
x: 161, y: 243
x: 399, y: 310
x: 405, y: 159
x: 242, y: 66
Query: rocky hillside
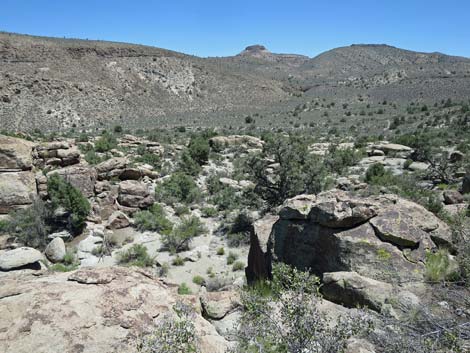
x: 49, y: 84
x: 145, y: 228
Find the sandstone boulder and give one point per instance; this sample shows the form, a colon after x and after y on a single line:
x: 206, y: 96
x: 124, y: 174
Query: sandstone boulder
x: 135, y: 194
x: 111, y: 168
x: 15, y: 154
x: 452, y: 197
x: 216, y: 305
x: 80, y: 176
x: 17, y: 189
x: 221, y: 142
x: 55, y: 250
x: 118, y: 220
x: 381, y: 237
x: 352, y: 290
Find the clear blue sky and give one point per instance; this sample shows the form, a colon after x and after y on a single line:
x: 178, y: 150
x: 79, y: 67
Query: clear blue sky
x: 225, y: 27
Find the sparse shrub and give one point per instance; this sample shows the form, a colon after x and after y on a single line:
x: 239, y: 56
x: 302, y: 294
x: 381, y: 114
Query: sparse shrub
x: 173, y: 334
x: 199, y: 280
x: 438, y: 266
x: 153, y: 219
x: 285, y: 318
x: 231, y: 258
x: 63, y: 194
x: 164, y: 269
x: 178, y: 261
x: 238, y: 266
x: 136, y: 255
x: 118, y: 129
x: 30, y: 225
x: 181, y: 210
x: 182, y: 235
x: 83, y: 137
x: 183, y: 289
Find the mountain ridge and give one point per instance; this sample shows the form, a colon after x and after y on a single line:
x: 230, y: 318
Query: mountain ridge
x: 52, y: 83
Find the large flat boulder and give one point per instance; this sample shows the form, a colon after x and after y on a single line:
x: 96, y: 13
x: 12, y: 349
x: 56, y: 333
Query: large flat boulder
x: 90, y: 311
x: 19, y: 258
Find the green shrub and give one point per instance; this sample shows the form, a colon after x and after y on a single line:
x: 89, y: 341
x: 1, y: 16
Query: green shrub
x: 136, y: 255
x: 153, y: 219
x: 148, y: 158
x: 376, y: 170
x: 63, y: 194
x: 338, y: 159
x: 199, y: 280
x: 227, y: 198
x: 231, y: 258
x: 30, y: 225
x: 83, y: 137
x: 238, y: 266
x: 297, y: 171
x: 118, y: 129
x: 106, y: 142
x: 183, y: 289
x: 188, y: 165
x: 179, y: 187
x: 92, y: 158
x: 209, y: 212
x: 178, y: 261
x: 199, y: 149
x: 4, y: 226
x: 439, y: 267
x: 221, y: 251
x: 182, y: 235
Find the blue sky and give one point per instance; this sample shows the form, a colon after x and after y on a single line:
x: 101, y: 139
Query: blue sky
x: 225, y: 27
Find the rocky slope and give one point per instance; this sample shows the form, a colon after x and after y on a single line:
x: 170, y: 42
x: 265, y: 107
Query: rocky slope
x: 53, y: 84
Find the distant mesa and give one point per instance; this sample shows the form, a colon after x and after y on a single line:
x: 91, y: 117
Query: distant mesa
x: 255, y: 50
x: 256, y: 47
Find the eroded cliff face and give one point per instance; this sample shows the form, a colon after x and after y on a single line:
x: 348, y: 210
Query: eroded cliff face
x: 383, y: 238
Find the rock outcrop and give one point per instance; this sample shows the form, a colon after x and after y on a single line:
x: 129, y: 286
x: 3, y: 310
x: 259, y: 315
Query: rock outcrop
x: 17, y: 183
x: 96, y: 310
x: 56, y: 154
x: 382, y: 237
